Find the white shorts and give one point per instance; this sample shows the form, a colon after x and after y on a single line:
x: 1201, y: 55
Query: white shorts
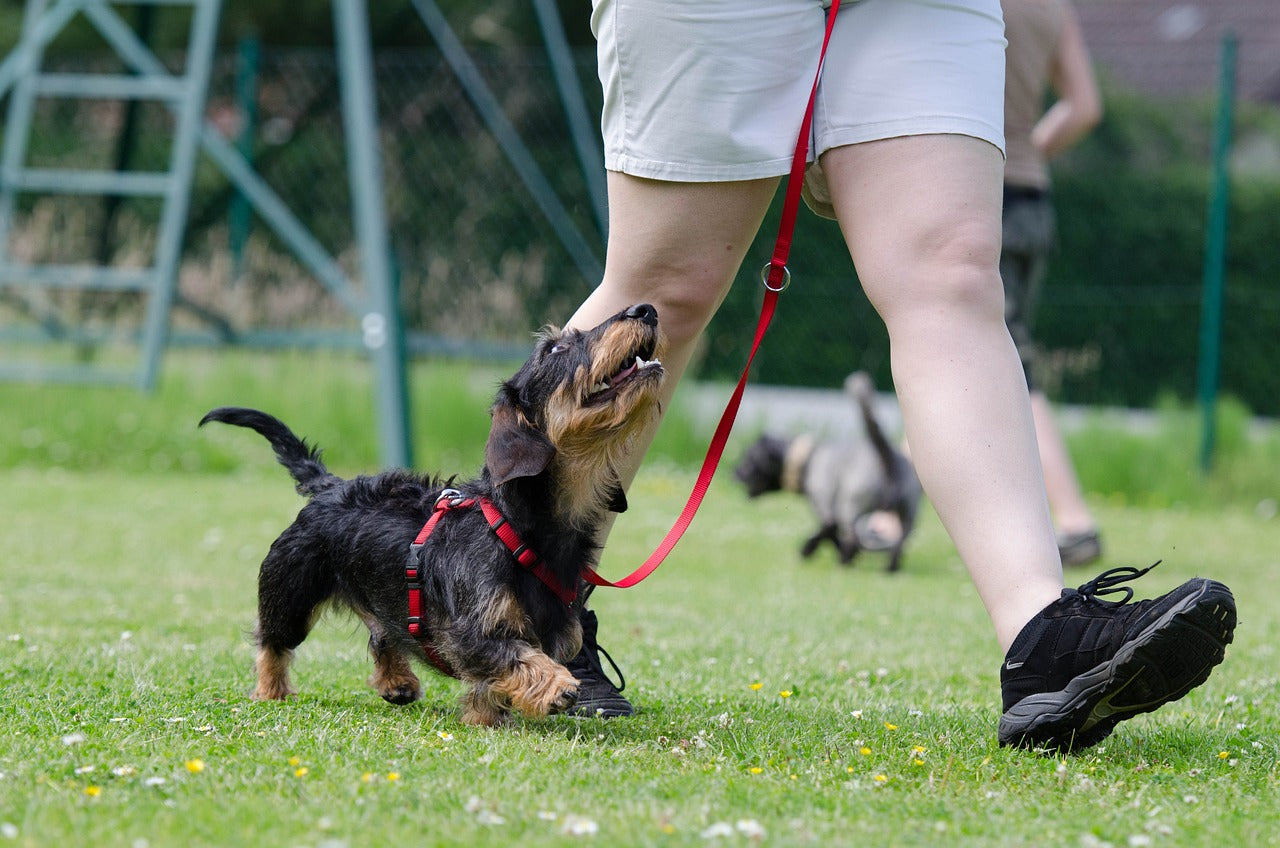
x: 715, y: 90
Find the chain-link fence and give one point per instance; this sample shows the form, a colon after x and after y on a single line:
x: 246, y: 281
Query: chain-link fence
x: 480, y: 265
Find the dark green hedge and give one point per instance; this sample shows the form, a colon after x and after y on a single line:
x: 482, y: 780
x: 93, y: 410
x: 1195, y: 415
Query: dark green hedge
x: 1120, y: 313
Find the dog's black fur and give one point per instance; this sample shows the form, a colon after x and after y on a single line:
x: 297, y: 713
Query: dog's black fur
x: 559, y: 426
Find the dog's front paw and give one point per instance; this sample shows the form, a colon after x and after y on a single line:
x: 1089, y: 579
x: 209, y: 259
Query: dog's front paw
x: 565, y: 702
x: 538, y: 686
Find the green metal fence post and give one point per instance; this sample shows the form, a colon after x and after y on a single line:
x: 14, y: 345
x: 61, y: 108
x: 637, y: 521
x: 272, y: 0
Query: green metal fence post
x: 240, y: 214
x: 381, y: 322
x: 1215, y: 257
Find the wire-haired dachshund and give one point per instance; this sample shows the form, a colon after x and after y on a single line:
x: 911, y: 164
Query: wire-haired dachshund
x: 474, y: 577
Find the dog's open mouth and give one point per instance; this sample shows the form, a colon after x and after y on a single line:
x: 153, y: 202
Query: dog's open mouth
x: 633, y: 367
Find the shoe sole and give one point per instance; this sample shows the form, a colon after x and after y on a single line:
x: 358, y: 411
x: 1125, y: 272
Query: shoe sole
x: 1168, y: 659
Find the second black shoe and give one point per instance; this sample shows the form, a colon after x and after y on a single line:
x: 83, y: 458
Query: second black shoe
x: 597, y: 694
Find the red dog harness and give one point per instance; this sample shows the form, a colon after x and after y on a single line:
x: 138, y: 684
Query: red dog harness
x: 451, y: 499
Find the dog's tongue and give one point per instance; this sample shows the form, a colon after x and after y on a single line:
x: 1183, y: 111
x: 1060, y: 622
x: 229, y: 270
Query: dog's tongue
x: 625, y: 372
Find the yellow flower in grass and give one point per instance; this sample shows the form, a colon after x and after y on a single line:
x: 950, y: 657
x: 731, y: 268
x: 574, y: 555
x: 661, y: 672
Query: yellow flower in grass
x: 888, y: 726
x: 881, y: 778
x: 301, y: 771
x: 195, y: 766
x: 785, y: 693
x: 367, y: 777
x: 393, y: 776
x: 756, y: 770
x: 1222, y: 755
x: 757, y: 686
x: 93, y: 791
x: 295, y: 762
x: 864, y: 751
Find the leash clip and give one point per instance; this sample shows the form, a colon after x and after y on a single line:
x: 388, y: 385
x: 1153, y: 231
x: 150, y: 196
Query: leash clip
x: 764, y: 278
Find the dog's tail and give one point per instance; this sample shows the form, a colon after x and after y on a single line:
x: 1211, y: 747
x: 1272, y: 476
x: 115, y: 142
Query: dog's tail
x: 301, y: 460
x: 859, y: 386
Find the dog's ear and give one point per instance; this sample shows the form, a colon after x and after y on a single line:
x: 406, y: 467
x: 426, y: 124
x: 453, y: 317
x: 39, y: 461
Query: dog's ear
x: 515, y: 448
x: 617, y: 497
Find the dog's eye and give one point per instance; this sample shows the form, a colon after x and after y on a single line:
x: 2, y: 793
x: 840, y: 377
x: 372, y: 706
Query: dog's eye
x: 557, y: 348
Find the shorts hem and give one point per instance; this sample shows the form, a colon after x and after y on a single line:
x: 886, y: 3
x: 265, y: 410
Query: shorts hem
x: 903, y: 127
x: 681, y: 172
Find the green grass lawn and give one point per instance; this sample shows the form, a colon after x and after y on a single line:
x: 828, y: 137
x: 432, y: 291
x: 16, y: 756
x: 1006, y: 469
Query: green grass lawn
x: 809, y: 703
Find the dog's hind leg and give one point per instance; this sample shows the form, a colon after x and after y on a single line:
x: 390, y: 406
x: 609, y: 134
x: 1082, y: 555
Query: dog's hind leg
x: 272, y: 666
x: 849, y: 549
x: 290, y: 596
x: 393, y: 676
x: 907, y: 518
x: 827, y: 532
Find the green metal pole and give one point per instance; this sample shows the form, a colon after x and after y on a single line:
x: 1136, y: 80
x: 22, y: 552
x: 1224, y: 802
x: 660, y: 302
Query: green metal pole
x: 381, y: 324
x: 1215, y: 257
x: 240, y: 215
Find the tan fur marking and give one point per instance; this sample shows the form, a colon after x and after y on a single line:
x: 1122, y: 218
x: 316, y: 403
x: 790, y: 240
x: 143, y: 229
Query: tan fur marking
x: 504, y: 613
x: 273, y: 675
x: 539, y: 686
x: 391, y: 673
x: 481, y: 707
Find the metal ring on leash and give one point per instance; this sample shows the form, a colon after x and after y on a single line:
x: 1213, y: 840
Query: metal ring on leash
x: 764, y: 278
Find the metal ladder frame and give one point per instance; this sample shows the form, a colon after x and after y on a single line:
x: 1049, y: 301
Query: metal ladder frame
x: 376, y: 308
x: 184, y: 94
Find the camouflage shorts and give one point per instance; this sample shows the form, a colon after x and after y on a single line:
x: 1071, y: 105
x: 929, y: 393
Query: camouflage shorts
x: 1029, y: 236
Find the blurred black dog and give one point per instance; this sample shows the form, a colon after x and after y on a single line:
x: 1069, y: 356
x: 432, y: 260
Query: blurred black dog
x: 845, y: 481
x: 474, y: 577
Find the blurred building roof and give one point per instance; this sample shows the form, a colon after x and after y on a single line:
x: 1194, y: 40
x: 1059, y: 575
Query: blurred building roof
x: 1174, y: 47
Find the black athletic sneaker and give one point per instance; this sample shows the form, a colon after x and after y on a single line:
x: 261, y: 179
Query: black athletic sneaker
x: 597, y: 695
x: 1083, y: 665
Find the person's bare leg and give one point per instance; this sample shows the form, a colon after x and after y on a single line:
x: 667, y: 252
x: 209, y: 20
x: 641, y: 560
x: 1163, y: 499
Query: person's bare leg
x: 677, y: 246
x: 922, y: 219
x: 1066, y: 498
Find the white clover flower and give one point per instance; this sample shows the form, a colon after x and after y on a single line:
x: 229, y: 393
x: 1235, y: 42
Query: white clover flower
x: 579, y: 826
x: 718, y: 830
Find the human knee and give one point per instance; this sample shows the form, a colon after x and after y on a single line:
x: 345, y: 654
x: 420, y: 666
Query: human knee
x: 686, y: 299
x: 954, y: 273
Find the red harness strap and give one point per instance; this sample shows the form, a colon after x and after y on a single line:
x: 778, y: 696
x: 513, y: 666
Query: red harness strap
x: 452, y: 499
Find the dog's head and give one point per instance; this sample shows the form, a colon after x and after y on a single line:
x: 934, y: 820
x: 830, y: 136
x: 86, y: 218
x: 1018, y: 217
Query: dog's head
x: 575, y: 405
x: 760, y: 469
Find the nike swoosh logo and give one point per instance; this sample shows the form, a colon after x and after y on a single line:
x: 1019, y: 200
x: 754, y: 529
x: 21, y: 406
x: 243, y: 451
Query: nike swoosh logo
x: 1012, y: 666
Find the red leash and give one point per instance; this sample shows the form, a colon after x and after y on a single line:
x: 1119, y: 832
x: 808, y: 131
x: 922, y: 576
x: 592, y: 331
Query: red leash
x: 776, y: 278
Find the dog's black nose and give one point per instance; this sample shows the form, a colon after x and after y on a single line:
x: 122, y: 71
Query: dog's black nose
x: 643, y: 312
